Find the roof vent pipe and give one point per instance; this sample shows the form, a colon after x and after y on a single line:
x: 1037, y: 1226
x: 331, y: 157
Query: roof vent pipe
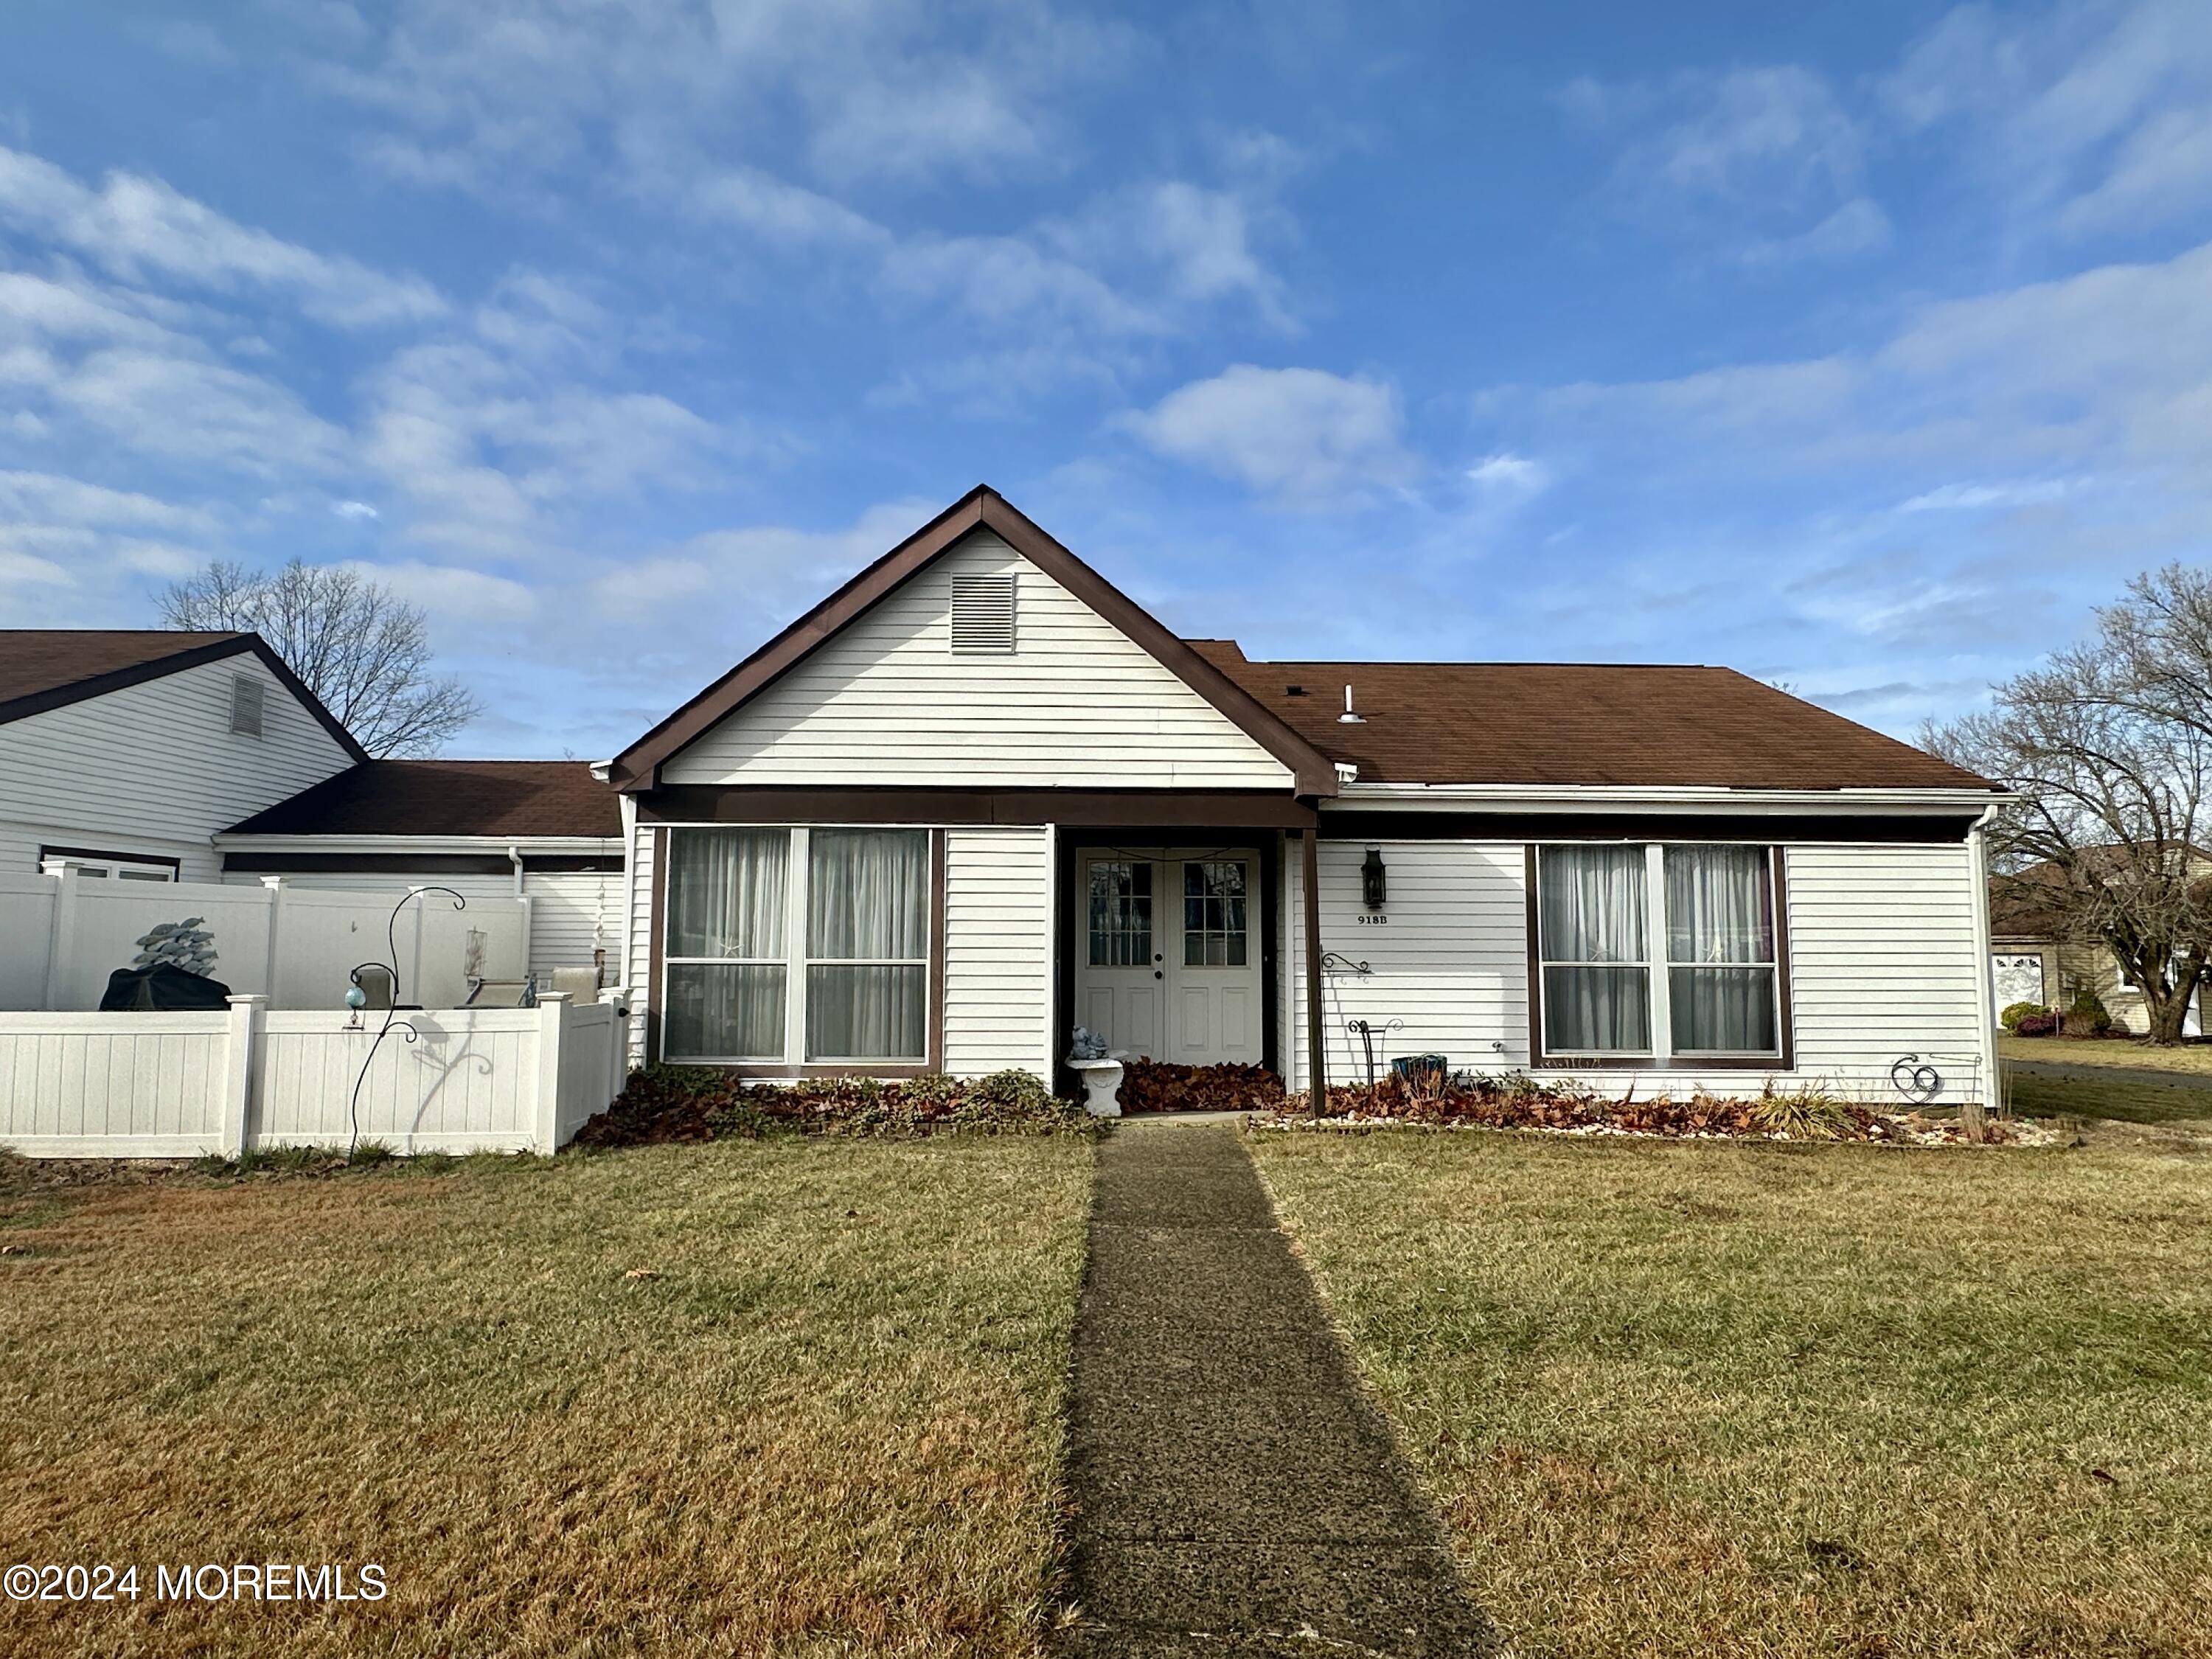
x: 1348, y: 718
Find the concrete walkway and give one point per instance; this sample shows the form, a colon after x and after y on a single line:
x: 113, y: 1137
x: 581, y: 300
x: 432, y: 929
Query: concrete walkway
x: 1235, y: 1492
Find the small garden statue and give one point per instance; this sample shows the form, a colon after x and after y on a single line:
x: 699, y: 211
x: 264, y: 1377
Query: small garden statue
x: 169, y: 972
x: 185, y: 945
x: 1086, y: 1045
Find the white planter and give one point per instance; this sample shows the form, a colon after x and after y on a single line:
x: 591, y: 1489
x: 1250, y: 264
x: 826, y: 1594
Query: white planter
x: 1101, y: 1086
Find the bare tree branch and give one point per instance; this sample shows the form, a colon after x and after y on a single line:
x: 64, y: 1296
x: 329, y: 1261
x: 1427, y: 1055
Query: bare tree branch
x: 2110, y: 746
x: 355, y: 644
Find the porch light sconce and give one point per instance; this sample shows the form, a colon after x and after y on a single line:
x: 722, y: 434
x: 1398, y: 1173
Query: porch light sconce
x: 1374, y: 885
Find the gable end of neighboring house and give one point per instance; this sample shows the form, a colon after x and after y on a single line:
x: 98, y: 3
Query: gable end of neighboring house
x: 137, y: 747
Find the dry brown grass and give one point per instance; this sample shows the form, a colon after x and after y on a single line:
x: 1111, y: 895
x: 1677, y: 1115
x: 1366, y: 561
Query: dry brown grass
x: 1711, y: 1399
x: 829, y: 1425
x: 2138, y: 1054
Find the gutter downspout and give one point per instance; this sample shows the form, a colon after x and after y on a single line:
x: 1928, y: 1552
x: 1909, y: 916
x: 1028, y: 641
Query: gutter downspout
x: 1317, y: 1039
x: 1985, y: 995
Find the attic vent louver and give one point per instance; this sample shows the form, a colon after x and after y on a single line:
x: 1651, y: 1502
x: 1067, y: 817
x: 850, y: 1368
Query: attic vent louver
x: 983, y: 613
x: 246, y: 706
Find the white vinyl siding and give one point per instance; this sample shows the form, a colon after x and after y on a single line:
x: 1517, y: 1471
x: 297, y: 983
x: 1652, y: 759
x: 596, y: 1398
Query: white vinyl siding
x: 1883, y: 956
x: 1452, y: 961
x: 1883, y: 959
x: 156, y: 769
x: 998, y: 971
x: 1077, y: 704
x: 642, y: 921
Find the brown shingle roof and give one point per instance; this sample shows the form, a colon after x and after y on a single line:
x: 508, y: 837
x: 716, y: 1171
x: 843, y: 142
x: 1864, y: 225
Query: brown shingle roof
x: 448, y: 798
x: 37, y: 662
x: 1578, y: 723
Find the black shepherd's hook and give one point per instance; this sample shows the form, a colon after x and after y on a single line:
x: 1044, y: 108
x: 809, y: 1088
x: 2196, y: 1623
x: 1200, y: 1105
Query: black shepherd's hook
x: 392, y: 1009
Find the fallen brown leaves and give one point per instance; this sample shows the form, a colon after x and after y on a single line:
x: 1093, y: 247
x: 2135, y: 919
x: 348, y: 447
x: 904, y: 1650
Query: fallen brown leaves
x: 1155, y: 1085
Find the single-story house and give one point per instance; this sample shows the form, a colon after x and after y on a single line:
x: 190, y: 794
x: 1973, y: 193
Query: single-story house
x: 978, y: 797
x: 144, y: 755
x: 2038, y: 957
x: 124, y: 751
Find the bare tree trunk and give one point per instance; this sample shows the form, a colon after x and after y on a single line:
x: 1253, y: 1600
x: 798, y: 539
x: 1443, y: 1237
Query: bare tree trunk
x: 2167, y: 1007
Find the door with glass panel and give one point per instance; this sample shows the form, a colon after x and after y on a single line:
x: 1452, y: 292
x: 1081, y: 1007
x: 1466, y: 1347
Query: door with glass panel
x: 1168, y: 954
x: 1121, y: 960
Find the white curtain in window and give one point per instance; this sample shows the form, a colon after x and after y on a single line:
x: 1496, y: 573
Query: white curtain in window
x: 1590, y: 912
x: 867, y: 904
x: 1720, y: 940
x: 868, y: 895
x: 725, y: 1011
x: 725, y: 892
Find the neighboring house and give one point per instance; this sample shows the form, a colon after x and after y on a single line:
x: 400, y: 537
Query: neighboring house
x: 156, y: 756
x: 124, y: 751
x: 547, y: 831
x: 977, y: 797
x: 2035, y: 957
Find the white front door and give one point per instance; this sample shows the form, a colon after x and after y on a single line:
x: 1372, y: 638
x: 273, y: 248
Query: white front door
x: 1168, y: 954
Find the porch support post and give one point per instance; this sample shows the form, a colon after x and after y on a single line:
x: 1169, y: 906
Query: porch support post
x: 1317, y: 1040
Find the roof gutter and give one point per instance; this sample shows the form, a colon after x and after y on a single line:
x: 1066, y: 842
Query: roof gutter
x: 1608, y: 798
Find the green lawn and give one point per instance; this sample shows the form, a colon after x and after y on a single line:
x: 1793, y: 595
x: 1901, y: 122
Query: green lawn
x: 1709, y: 1398
x: 2127, y: 1053
x: 823, y: 1418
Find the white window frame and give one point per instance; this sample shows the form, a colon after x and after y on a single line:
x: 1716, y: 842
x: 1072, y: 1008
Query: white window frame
x: 120, y: 866
x: 1658, y: 967
x: 798, y: 961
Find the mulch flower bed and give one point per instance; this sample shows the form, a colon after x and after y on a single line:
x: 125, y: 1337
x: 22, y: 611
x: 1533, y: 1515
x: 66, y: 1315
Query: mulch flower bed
x: 1516, y: 1101
x: 662, y: 1104
x: 1155, y: 1085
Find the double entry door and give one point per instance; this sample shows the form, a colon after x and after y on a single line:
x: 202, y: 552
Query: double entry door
x: 1167, y: 953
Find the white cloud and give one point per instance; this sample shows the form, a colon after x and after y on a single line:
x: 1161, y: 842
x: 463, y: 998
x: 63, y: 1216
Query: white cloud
x: 1301, y: 434
x: 493, y: 93
x: 136, y: 227
x: 1973, y: 498
x: 25, y: 571
x: 53, y: 497
x: 1506, y: 474
x: 1765, y: 163
x: 360, y: 512
x: 2091, y: 116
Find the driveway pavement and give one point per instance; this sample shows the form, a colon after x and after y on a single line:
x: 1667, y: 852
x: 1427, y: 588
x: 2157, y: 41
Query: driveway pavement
x: 1235, y: 1491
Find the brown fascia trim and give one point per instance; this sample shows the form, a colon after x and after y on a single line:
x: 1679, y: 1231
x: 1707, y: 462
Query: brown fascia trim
x: 61, y: 696
x: 1076, y: 808
x: 980, y: 508
x: 1929, y: 829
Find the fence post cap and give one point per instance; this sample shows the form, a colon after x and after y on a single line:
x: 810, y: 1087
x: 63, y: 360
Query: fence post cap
x: 544, y: 997
x: 246, y: 1000
x: 614, y: 993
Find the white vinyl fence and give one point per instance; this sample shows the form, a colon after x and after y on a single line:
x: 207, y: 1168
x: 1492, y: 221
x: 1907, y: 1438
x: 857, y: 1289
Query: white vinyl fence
x: 177, y: 1085
x: 61, y: 936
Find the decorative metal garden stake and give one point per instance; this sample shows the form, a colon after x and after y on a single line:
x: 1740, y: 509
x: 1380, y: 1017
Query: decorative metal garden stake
x: 392, y: 1009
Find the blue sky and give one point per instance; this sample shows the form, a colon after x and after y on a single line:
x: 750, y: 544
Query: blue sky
x: 1863, y: 347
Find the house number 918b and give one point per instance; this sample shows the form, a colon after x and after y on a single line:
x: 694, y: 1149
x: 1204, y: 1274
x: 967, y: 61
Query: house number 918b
x: 1375, y: 921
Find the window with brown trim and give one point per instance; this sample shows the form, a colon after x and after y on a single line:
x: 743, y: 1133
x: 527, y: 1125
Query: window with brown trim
x: 1656, y: 954
x: 797, y: 945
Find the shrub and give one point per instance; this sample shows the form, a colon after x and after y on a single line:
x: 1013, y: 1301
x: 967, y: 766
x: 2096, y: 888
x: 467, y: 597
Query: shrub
x: 662, y: 1104
x: 2017, y: 1012
x: 2086, y: 1015
x: 2037, y: 1025
x: 1805, y: 1114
